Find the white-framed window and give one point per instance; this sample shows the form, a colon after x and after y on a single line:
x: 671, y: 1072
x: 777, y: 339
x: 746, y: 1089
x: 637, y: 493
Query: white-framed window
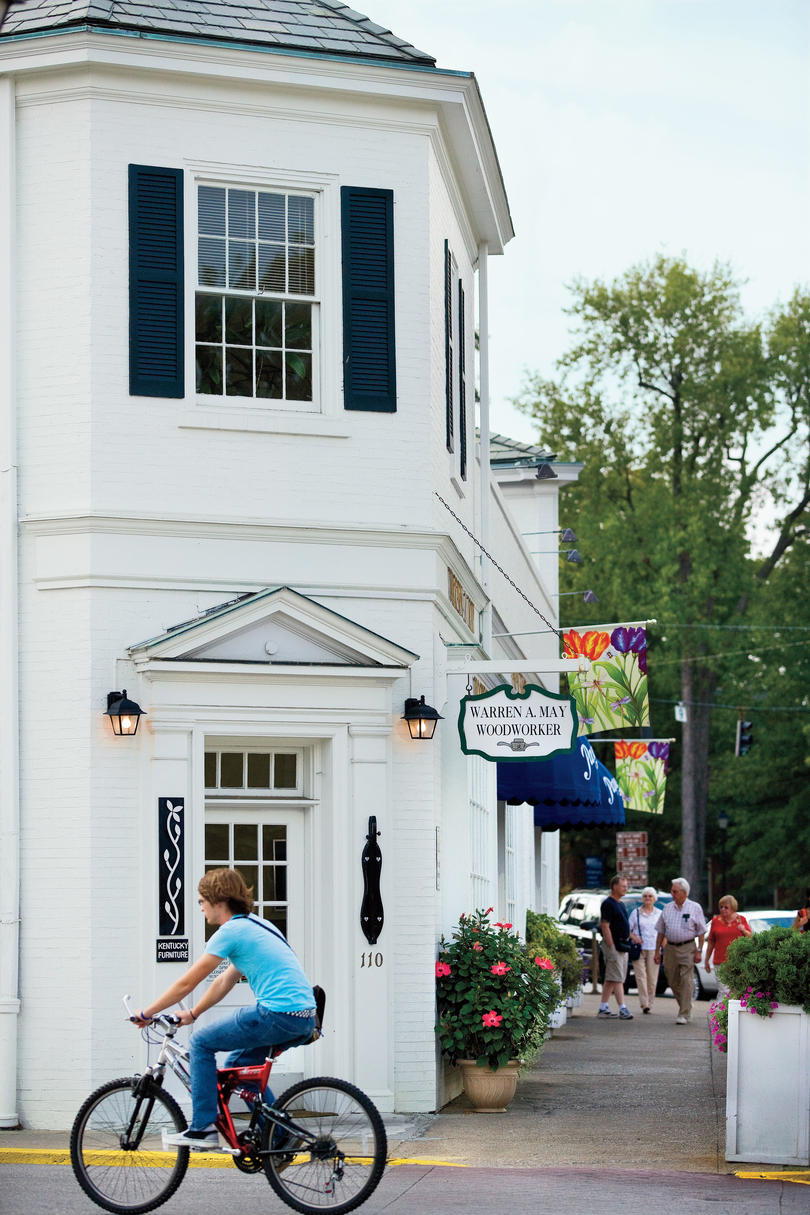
x: 253, y: 772
x: 481, y: 834
x: 258, y: 850
x: 256, y: 312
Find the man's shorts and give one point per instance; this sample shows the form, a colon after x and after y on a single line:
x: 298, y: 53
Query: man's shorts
x: 615, y: 964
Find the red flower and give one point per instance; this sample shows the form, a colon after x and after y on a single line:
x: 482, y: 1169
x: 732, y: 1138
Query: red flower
x: 503, y: 926
x: 500, y: 968
x: 477, y: 946
x: 488, y: 910
x: 592, y: 644
x: 442, y: 970
x: 544, y: 963
x: 491, y: 1019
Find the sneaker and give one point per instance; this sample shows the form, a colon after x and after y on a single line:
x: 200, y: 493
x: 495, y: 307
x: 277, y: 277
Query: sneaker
x: 625, y: 1014
x: 680, y: 1020
x: 645, y: 1010
x: 605, y: 1012
x: 200, y: 1140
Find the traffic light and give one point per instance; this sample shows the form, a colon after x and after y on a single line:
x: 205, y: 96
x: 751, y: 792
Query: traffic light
x: 745, y: 737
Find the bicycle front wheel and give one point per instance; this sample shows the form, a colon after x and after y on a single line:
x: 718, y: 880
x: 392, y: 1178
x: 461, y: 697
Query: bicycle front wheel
x: 116, y: 1147
x: 344, y: 1164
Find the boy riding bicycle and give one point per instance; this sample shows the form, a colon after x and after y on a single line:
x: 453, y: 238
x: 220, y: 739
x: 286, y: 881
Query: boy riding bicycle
x: 284, y: 1013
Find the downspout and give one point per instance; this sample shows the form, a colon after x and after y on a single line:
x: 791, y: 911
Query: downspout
x: 9, y: 631
x: 485, y: 471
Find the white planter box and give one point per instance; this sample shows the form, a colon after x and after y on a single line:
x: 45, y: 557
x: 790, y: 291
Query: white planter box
x: 768, y: 1086
x: 558, y: 1017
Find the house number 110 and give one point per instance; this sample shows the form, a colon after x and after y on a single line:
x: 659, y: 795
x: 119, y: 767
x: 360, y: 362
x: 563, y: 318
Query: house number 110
x: 370, y: 959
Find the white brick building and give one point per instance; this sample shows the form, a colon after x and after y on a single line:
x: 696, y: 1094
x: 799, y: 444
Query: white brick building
x: 322, y: 199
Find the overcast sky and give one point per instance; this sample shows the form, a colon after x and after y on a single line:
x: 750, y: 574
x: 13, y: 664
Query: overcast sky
x: 626, y: 128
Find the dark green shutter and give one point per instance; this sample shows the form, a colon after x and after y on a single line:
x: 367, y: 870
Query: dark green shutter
x: 448, y: 346
x: 462, y: 386
x: 156, y: 355
x: 369, y: 354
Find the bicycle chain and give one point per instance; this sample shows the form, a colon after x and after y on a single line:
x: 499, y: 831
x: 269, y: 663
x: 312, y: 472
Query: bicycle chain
x: 498, y: 567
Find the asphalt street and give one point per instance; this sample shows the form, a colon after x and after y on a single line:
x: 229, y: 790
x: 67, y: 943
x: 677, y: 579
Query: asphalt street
x: 625, y: 1116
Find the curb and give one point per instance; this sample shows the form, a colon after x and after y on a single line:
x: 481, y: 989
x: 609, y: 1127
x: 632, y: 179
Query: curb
x: 197, y: 1160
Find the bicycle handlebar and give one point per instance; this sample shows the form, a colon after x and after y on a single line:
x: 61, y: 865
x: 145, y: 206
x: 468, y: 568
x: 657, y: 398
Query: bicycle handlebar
x: 165, y: 1019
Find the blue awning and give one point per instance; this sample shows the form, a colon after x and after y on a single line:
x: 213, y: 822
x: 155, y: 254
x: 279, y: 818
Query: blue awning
x: 570, y: 790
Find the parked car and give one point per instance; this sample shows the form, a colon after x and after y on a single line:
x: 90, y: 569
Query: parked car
x: 704, y: 986
x: 579, y: 917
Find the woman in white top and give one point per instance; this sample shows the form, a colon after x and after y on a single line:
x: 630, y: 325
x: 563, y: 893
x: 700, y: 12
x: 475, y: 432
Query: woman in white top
x: 644, y: 930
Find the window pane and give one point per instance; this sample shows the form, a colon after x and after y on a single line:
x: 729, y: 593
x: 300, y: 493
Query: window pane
x: 299, y: 377
x: 298, y: 326
x: 238, y: 372
x: 284, y: 775
x: 258, y: 771
x: 272, y: 267
x: 210, y: 770
x: 241, y: 266
x: 268, y: 322
x: 230, y: 770
x: 269, y: 374
x: 239, y: 321
x: 211, y: 201
x: 251, y: 875
x: 275, y: 883
x: 301, y: 221
x: 216, y: 844
x: 209, y: 369
x: 208, y: 311
x: 242, y: 214
x: 302, y: 272
x: 211, y: 262
x: 245, y: 842
x: 272, y: 837
x: 271, y: 217
x: 277, y: 916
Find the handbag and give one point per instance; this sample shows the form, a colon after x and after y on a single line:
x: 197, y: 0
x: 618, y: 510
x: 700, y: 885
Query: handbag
x: 633, y: 948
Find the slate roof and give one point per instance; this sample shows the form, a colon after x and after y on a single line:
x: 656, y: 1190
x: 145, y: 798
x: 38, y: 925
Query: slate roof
x: 505, y: 452
x: 324, y: 26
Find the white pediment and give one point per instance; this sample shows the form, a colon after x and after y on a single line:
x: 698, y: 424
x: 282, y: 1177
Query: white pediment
x: 277, y: 626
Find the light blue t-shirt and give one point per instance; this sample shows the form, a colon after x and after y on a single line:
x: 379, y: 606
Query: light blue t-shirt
x: 268, y: 963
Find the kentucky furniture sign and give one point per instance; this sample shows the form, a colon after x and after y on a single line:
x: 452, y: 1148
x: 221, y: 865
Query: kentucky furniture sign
x: 505, y: 725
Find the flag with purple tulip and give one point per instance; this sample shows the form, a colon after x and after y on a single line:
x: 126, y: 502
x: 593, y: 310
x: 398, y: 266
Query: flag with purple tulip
x: 613, y: 693
x: 641, y: 770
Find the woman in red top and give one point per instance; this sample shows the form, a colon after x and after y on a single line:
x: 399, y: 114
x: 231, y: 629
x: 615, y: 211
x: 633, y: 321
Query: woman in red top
x: 724, y: 929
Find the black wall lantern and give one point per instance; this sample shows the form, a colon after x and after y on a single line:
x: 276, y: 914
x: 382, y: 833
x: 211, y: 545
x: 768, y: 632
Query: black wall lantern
x: 124, y: 714
x: 421, y: 718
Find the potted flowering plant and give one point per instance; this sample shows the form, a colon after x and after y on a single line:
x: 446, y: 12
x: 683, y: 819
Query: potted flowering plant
x: 768, y: 1042
x: 494, y: 1002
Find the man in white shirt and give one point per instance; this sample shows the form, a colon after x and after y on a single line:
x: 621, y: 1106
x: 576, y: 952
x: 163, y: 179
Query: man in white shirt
x: 681, y: 922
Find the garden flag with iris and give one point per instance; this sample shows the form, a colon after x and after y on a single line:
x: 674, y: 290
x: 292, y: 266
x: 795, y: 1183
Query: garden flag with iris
x: 613, y: 693
x: 641, y: 770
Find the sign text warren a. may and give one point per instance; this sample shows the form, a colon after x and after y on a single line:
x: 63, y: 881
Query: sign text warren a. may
x: 505, y: 725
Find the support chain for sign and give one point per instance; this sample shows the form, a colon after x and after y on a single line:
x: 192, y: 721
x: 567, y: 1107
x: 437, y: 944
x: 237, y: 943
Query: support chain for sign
x: 498, y: 567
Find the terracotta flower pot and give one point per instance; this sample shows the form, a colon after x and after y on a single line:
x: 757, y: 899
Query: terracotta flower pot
x: 489, y: 1092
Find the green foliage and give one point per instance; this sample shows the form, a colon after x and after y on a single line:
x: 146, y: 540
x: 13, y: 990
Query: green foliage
x: 519, y: 1001
x: 544, y: 937
x: 691, y: 422
x: 776, y: 961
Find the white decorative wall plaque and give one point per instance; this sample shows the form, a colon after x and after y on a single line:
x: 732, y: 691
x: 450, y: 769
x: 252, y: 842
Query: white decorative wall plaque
x: 172, y: 943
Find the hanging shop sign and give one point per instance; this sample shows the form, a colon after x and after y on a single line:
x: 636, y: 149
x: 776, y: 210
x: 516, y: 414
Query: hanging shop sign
x: 503, y: 724
x: 631, y: 856
x: 172, y: 943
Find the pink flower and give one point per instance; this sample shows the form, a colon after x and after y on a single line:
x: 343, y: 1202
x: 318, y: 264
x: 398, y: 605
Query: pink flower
x: 492, y: 1019
x: 544, y: 963
x: 442, y: 970
x: 500, y: 968
x: 774, y: 1004
x: 489, y: 910
x: 504, y: 926
x: 478, y: 947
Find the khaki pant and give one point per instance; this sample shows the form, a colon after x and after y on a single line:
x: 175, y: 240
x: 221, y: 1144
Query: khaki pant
x: 646, y: 972
x: 679, y: 967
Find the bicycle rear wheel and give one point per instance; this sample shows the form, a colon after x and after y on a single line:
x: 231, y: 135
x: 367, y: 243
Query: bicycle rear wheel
x: 137, y: 1177
x: 344, y: 1165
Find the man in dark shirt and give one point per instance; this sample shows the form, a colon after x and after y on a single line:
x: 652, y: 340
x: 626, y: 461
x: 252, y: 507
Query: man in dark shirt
x: 614, y: 924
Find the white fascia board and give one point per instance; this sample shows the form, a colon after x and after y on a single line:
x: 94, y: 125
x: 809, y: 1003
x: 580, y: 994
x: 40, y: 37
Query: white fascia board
x: 455, y: 96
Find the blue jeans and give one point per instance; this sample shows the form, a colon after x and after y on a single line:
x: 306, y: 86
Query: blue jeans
x: 249, y: 1034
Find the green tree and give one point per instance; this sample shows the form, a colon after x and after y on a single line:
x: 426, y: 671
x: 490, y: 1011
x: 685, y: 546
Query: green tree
x: 692, y: 423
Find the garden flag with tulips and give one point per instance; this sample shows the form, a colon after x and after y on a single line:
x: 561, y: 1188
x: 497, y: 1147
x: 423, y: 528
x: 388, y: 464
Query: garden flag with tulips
x: 641, y: 770
x: 612, y: 695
